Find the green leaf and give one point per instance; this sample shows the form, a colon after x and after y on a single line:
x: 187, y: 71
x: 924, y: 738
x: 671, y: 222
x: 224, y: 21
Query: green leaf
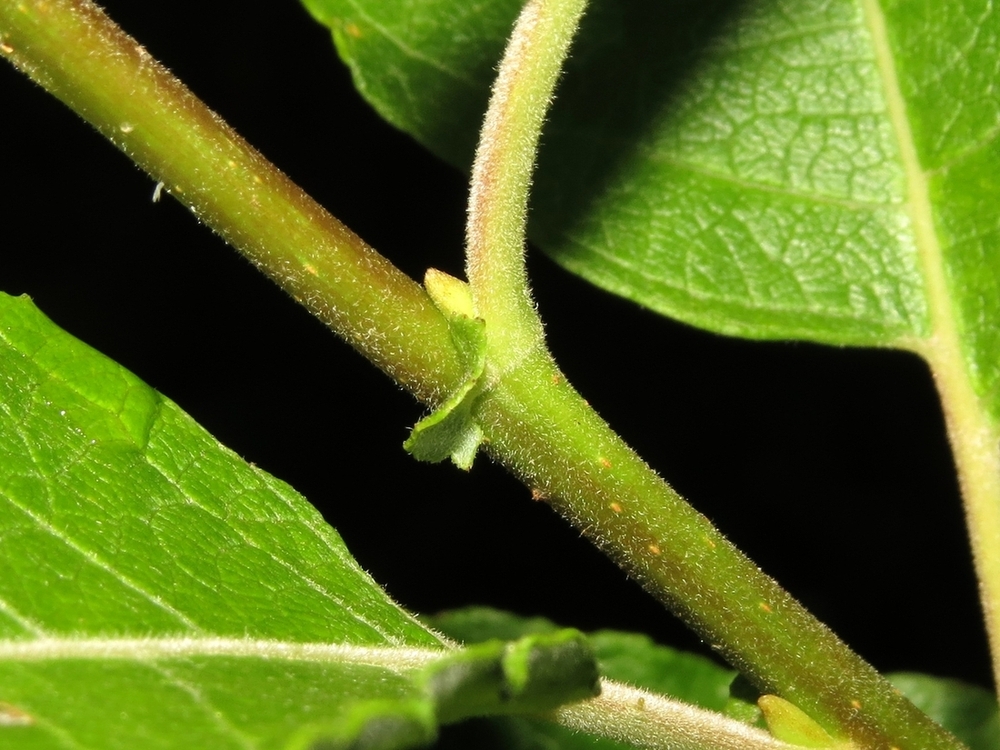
x: 744, y: 167
x: 628, y: 657
x: 967, y: 711
x: 532, y: 675
x: 631, y: 658
x: 450, y: 431
x: 479, y: 624
x: 156, y: 591
x: 426, y: 66
x: 949, y: 71
x: 791, y: 724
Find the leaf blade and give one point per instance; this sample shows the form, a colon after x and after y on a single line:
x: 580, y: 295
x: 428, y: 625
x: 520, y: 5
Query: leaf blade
x: 94, y: 430
x: 157, y: 591
x: 968, y: 711
x: 732, y: 167
x: 947, y: 72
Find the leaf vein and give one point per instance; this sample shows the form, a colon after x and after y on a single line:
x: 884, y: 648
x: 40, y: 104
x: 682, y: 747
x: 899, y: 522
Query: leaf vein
x: 98, y: 562
x: 24, y: 621
x: 410, y: 51
x: 216, y: 716
x: 252, y: 543
x: 657, y: 280
x: 827, y: 200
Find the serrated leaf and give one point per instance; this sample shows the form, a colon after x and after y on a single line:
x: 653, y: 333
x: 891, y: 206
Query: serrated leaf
x: 967, y: 711
x: 158, y: 592
x: 744, y: 167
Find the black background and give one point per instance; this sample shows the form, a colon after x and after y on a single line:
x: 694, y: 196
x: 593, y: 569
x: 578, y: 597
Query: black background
x: 829, y: 467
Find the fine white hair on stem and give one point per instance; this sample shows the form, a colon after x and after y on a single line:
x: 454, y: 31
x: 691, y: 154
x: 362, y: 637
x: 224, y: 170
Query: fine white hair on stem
x: 637, y: 717
x: 501, y: 178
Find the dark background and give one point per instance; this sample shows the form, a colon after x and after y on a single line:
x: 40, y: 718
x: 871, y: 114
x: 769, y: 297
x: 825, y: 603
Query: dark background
x: 829, y: 467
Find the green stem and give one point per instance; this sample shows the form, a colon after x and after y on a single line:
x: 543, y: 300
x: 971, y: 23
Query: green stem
x: 79, y: 55
x: 635, y: 717
x: 501, y: 177
x: 537, y: 424
x: 541, y: 429
x: 974, y: 439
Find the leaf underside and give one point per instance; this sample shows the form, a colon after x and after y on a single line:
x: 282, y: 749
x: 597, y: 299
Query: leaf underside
x: 737, y: 165
x: 157, y: 591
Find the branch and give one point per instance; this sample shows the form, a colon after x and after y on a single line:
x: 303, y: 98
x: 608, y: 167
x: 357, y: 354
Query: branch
x: 501, y: 177
x: 536, y: 423
x: 80, y: 56
x: 538, y: 426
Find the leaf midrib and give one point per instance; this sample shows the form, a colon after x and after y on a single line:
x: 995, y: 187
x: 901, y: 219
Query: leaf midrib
x: 399, y: 659
x: 944, y: 331
x: 973, y: 433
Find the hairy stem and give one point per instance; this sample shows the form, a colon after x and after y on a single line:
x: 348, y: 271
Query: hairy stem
x: 537, y: 425
x: 79, y: 55
x: 974, y: 440
x: 501, y: 177
x: 636, y: 717
x: 541, y: 429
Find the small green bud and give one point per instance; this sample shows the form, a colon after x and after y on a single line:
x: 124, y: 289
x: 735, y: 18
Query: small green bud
x: 790, y: 724
x: 451, y: 296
